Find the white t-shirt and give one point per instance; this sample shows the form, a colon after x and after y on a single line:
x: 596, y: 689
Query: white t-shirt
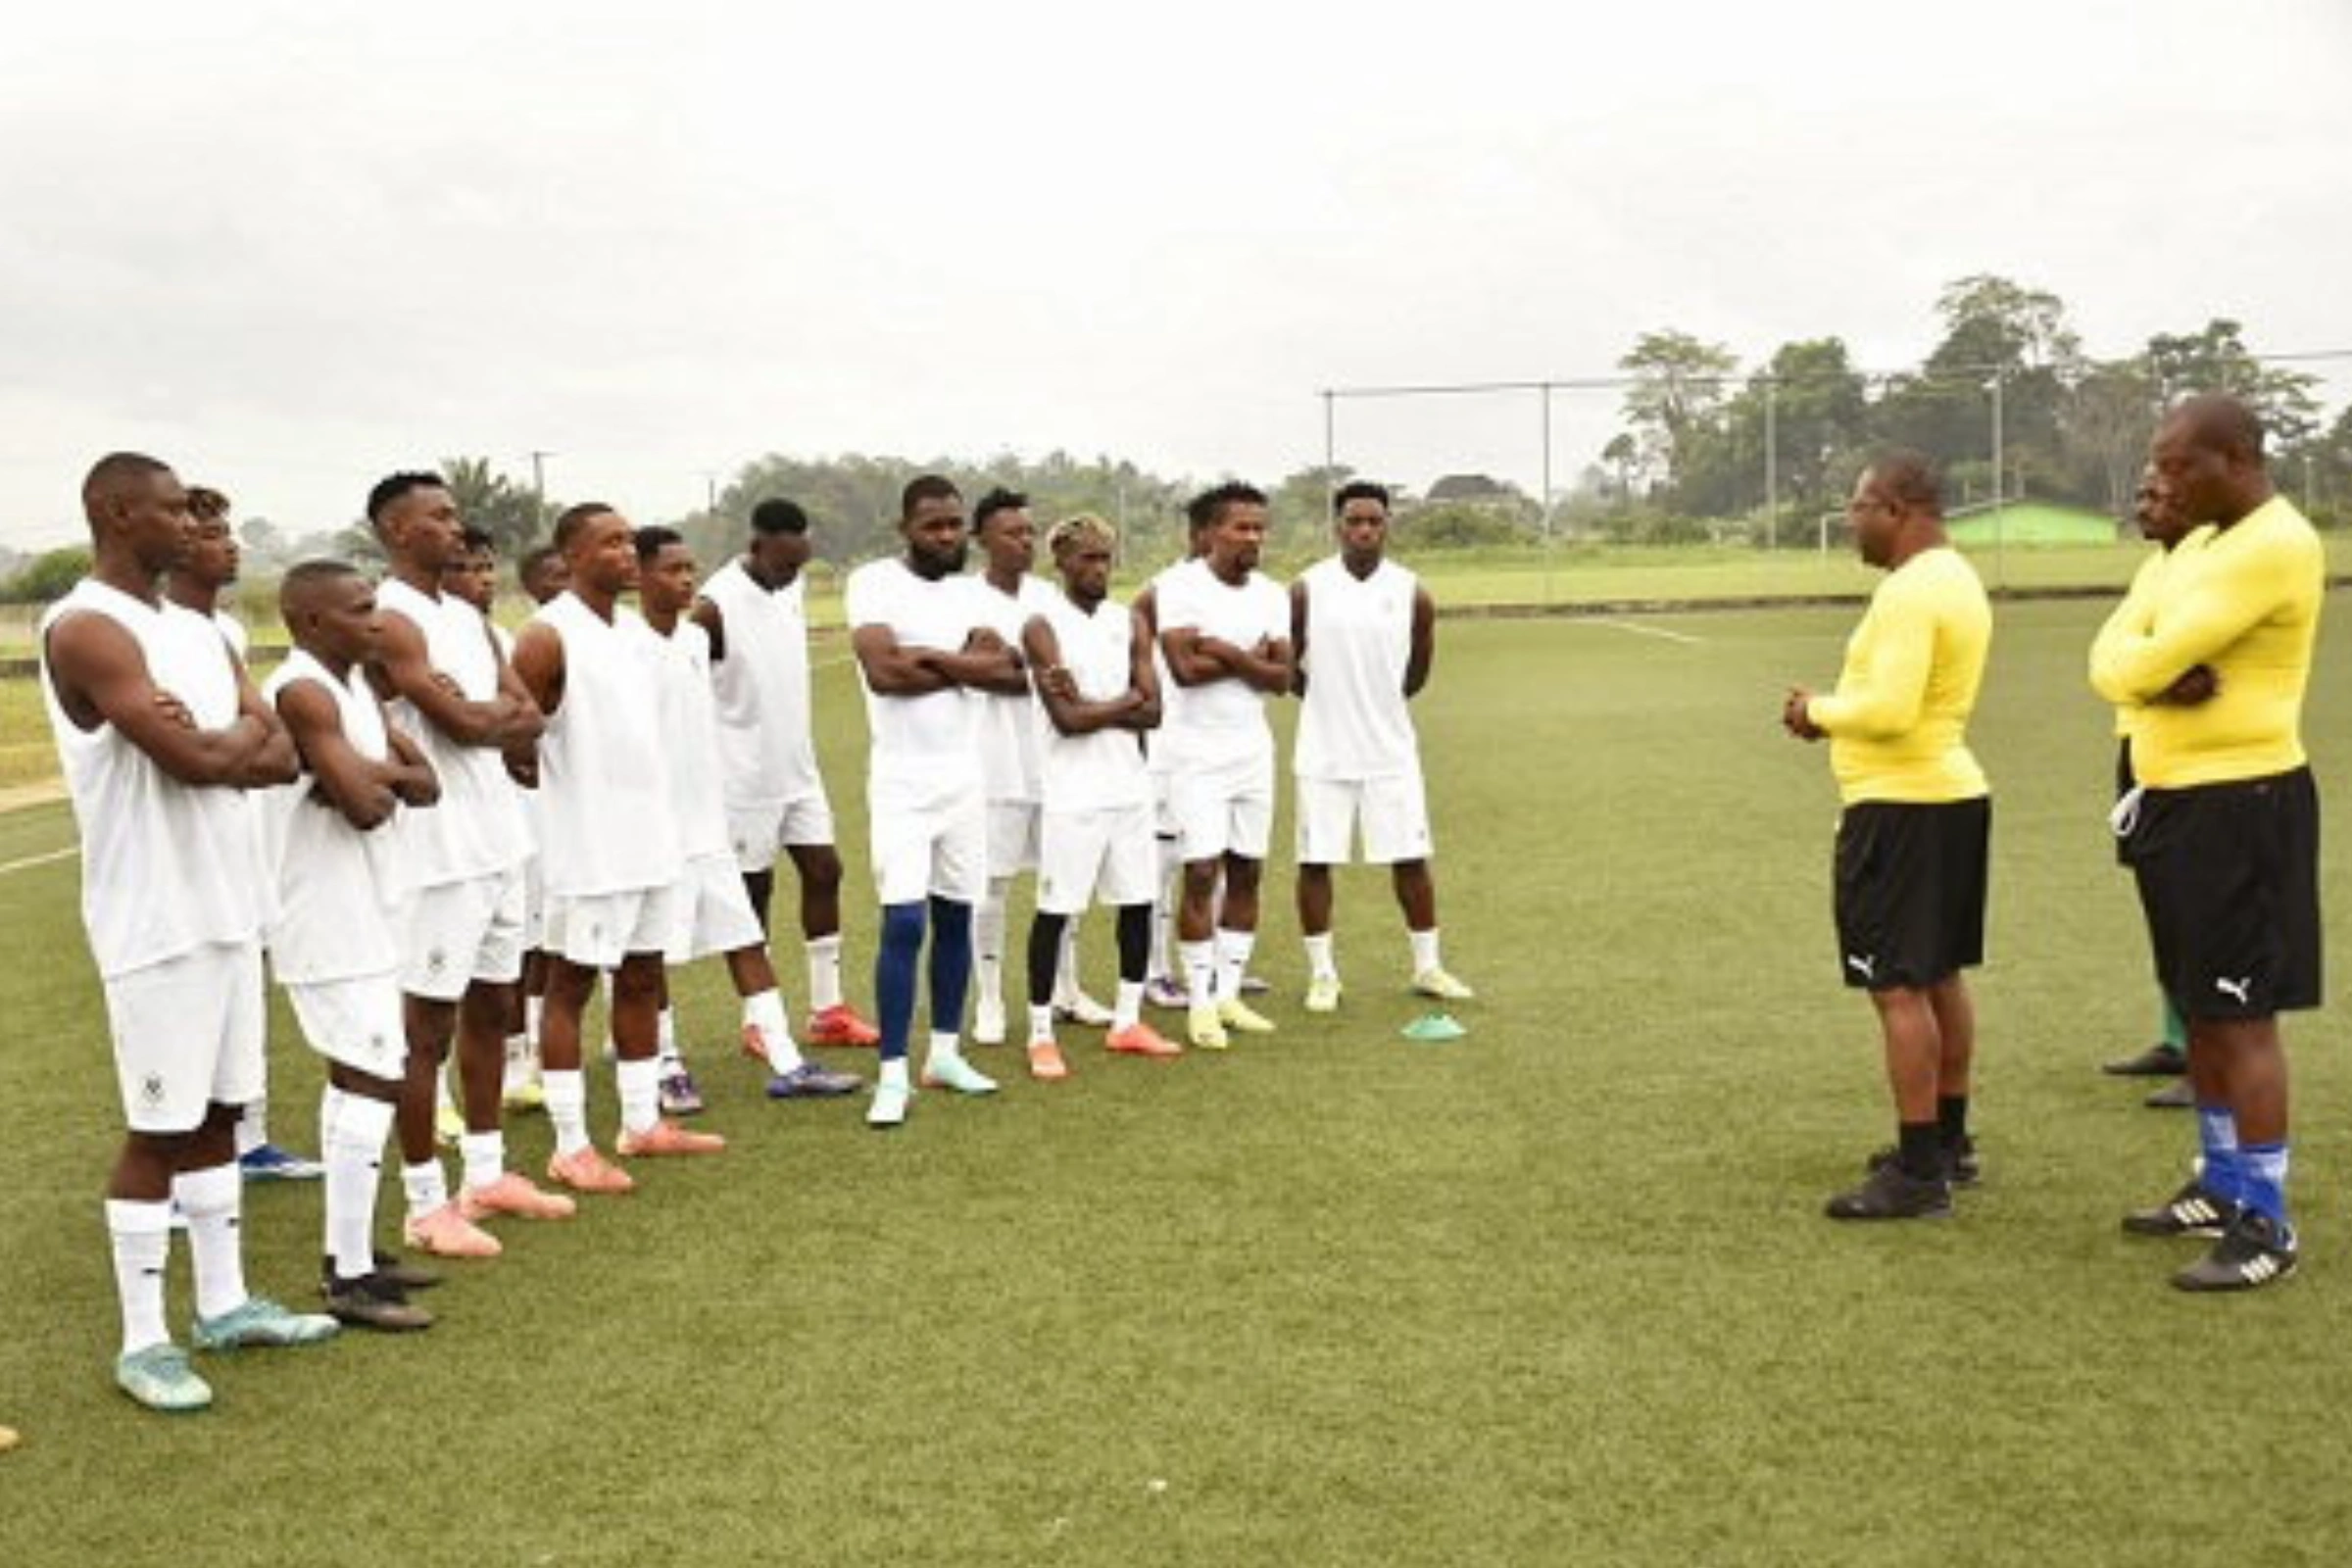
x: 334, y: 882
x: 931, y: 740
x: 767, y: 749
x: 1104, y: 769
x: 1010, y: 727
x: 690, y: 738
x: 166, y: 867
x: 1224, y: 717
x: 1355, y: 722
x: 606, y: 819
x: 476, y: 828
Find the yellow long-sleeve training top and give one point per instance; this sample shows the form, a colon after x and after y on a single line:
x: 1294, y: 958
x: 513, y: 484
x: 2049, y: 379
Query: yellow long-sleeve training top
x: 2138, y: 608
x: 2244, y: 602
x: 1899, y: 720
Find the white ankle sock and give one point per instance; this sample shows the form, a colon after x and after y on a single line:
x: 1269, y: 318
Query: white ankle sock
x: 566, y: 1107
x: 424, y: 1187
x: 1321, y: 962
x: 1425, y: 949
x: 764, y: 1011
x: 640, y: 1084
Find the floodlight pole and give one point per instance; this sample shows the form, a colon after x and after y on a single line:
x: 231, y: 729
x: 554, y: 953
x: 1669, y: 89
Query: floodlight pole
x: 1331, y: 446
x: 539, y: 483
x: 1772, y: 458
x: 2000, y: 510
x: 1544, y: 516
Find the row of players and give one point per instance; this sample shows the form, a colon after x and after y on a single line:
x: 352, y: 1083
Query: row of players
x: 386, y: 857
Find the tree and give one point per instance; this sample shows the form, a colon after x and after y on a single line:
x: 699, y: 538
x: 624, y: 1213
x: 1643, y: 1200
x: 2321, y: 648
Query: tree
x: 263, y: 542
x: 48, y: 576
x: 1996, y: 332
x: 513, y: 514
x: 2104, y: 422
x: 1678, y: 390
x: 2216, y: 360
x: 1621, y: 455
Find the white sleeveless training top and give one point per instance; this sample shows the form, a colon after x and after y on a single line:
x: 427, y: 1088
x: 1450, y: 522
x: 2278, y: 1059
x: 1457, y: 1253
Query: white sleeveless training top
x: 476, y: 829
x: 1355, y: 722
x: 166, y: 867
x: 1104, y: 769
x: 690, y: 738
x: 334, y: 881
x: 767, y: 753
x: 606, y: 817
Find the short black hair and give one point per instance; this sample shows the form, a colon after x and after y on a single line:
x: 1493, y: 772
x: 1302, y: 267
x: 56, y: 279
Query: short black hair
x: 1215, y: 502
x: 997, y: 500
x: 652, y: 537
x: 477, y: 539
x: 206, y: 504
x: 305, y: 577
x: 1358, y: 490
x: 2223, y: 424
x: 535, y: 558
x: 1199, y: 513
x: 926, y: 487
x: 573, y: 519
x: 393, y: 486
x: 113, y: 472
x: 776, y: 515
x: 1910, y: 478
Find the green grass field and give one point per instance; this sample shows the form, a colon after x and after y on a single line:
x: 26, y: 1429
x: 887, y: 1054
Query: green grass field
x: 1558, y: 1293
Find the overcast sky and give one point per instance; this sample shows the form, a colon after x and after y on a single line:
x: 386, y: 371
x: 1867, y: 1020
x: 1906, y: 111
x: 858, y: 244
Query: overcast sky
x: 289, y: 247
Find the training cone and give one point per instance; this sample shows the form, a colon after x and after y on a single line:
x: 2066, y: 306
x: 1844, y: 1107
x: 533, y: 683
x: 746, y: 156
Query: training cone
x: 1433, y: 1029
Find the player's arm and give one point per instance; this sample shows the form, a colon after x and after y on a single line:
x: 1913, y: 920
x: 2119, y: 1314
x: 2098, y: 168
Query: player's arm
x: 278, y: 762
x: 353, y: 785
x: 401, y: 668
x: 2227, y: 601
x: 1143, y: 682
x: 986, y: 663
x: 1886, y: 702
x: 1424, y: 654
x: 1298, y: 639
x: 890, y: 671
x: 706, y: 614
x: 101, y: 677
x: 1068, y: 713
x: 410, y: 776
x: 539, y: 665
x: 1268, y: 666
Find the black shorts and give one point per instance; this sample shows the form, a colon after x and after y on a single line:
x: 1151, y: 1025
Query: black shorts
x: 1911, y: 891
x: 2229, y: 879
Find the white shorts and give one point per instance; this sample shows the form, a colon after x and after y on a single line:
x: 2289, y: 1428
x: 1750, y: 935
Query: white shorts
x: 1224, y: 807
x: 759, y: 833
x: 1107, y: 856
x: 933, y: 850
x: 534, y: 905
x: 1163, y: 803
x: 460, y: 932
x: 597, y: 930
x: 712, y: 912
x: 354, y: 1023
x: 1012, y: 837
x: 189, y: 1034
x: 1392, y: 811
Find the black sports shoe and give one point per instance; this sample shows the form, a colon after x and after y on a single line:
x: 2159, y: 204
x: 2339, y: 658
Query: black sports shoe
x: 2193, y: 1210
x: 1961, y: 1167
x: 2172, y: 1096
x: 2253, y: 1253
x: 408, y: 1276
x: 2163, y: 1059
x: 1889, y: 1193
x: 373, y: 1302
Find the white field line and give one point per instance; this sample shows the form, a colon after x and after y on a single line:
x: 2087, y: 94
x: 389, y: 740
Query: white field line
x: 31, y: 861
x: 1640, y: 630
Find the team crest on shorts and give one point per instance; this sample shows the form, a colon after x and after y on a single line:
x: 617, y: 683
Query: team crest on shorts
x: 151, y: 1089
x: 435, y: 962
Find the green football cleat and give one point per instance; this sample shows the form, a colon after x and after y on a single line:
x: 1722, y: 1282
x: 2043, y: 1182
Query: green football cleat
x: 260, y: 1321
x: 1323, y: 994
x: 159, y: 1378
x: 947, y: 1069
x: 1433, y: 1029
x: 1442, y: 986
x: 1237, y: 1016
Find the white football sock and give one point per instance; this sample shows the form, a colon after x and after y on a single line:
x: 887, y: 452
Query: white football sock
x: 1200, y: 971
x: 640, y: 1084
x: 566, y: 1107
x: 424, y: 1187
x: 352, y: 1143
x: 764, y: 1013
x: 1425, y: 949
x: 484, y: 1156
x: 1233, y: 960
x: 1321, y: 962
x: 1040, y: 1022
x: 824, y: 973
x: 1128, y: 1010
x: 211, y: 1199
x: 141, y: 1233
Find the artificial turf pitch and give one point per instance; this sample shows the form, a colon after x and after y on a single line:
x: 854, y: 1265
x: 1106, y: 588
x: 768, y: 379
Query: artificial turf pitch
x: 1560, y: 1292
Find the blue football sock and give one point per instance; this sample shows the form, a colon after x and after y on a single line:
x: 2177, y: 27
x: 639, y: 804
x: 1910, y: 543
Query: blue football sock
x: 895, y: 960
x: 2216, y: 1135
x: 2264, y: 1171
x: 950, y: 962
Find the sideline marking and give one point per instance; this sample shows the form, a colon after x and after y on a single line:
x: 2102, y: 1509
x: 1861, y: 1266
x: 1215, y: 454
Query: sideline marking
x: 1640, y: 630
x: 31, y: 861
